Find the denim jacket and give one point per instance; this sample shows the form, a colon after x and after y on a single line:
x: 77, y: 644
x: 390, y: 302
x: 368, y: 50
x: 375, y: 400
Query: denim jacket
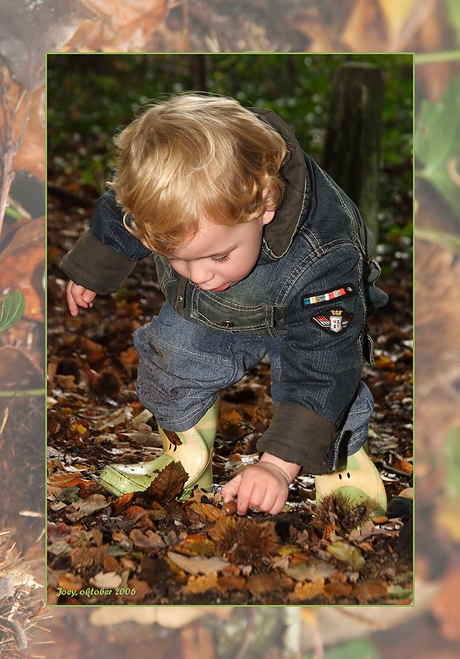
x: 313, y: 285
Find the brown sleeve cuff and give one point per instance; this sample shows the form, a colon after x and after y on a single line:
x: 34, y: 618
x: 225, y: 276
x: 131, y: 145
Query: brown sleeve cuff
x: 299, y: 435
x: 96, y: 266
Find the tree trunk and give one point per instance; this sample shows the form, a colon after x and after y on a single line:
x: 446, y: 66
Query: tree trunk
x: 352, y: 145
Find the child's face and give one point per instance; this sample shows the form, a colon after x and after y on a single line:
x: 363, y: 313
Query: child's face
x: 219, y: 256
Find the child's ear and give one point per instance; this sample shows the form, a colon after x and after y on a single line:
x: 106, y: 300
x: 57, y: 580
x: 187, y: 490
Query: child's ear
x: 267, y: 216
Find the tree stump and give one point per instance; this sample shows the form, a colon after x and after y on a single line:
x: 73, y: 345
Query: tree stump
x: 352, y: 144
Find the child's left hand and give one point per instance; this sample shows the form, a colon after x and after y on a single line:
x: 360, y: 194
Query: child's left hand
x: 264, y: 486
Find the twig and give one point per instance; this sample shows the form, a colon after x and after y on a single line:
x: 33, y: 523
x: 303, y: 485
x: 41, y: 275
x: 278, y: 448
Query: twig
x: 9, y: 148
x: 246, y: 636
x: 432, y: 58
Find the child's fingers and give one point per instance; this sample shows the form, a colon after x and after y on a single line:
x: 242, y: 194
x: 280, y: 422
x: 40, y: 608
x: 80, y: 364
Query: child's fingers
x: 88, y: 297
x: 230, y: 489
x: 73, y: 307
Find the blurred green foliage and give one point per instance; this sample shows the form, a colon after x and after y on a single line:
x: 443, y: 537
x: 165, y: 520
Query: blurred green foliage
x: 91, y: 97
x: 437, y: 143
x: 356, y: 649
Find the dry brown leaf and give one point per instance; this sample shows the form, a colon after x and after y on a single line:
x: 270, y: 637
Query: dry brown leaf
x: 230, y: 582
x: 311, y: 569
x: 135, y: 513
x: 87, y: 507
x: 168, y: 484
x: 365, y: 31
x: 139, y: 590
x: 32, y: 153
x: 306, y: 591
x: 445, y: 606
x: 70, y: 582
x: 63, y: 479
x: 308, y: 22
x: 22, y: 266
x: 125, y: 26
x: 121, y: 502
x: 88, y: 556
x: 337, y: 589
x: 265, y: 584
x: 197, y: 544
x: 59, y: 531
x: 106, y: 580
x: 369, y: 591
x: 197, y: 564
x: 206, y: 509
x: 198, y: 584
x: 149, y: 541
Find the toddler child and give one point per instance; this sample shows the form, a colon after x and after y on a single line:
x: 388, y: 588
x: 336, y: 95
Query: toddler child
x: 258, y: 252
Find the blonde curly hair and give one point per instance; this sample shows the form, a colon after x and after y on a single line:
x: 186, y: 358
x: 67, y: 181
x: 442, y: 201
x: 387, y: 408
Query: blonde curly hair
x: 195, y: 157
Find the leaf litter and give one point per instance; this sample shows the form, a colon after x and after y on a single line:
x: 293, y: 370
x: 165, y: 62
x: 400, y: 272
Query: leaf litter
x: 162, y: 551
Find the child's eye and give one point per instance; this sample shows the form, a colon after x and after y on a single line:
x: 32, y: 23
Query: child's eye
x: 222, y: 259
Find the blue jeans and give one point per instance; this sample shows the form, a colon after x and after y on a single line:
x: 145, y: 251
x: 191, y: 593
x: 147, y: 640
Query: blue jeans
x: 183, y: 366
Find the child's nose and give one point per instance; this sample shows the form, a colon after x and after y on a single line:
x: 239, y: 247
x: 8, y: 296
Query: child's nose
x: 199, y: 273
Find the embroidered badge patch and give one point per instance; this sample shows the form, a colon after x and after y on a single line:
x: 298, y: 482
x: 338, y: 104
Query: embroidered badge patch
x: 325, y: 297
x: 335, y: 321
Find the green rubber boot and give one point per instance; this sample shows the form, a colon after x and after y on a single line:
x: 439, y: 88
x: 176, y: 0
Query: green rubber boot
x: 358, y: 481
x: 192, y: 448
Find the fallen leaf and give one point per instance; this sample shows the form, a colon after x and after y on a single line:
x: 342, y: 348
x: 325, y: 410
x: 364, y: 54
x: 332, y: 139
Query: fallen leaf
x: 306, y: 591
x: 87, y: 507
x: 63, y: 479
x: 106, y: 580
x: 125, y: 26
x: 197, y: 564
x: 230, y: 582
x: 17, y: 371
x: 369, y: 591
x: 139, y: 589
x: 197, y: 584
x: 265, y: 584
x: 70, y: 582
x: 32, y: 153
x: 135, y: 513
x: 168, y: 484
x: 88, y: 556
x: 22, y: 264
x: 206, y: 509
x: 198, y: 543
x: 121, y: 502
x: 364, y: 31
x: 337, y: 589
x: 311, y: 571
x: 149, y: 541
x: 348, y: 553
x: 58, y: 531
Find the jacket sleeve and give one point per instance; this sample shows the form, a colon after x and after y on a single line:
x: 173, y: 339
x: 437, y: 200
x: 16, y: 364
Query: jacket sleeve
x: 104, y: 256
x: 321, y: 361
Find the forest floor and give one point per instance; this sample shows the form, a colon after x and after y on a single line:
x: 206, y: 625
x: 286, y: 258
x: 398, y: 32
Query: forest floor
x: 148, y: 548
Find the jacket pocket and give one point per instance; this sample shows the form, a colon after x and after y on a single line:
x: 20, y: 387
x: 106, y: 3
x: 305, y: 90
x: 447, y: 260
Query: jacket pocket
x: 213, y: 311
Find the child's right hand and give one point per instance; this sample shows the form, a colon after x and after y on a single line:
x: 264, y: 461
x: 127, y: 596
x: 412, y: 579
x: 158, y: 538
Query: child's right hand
x: 78, y: 296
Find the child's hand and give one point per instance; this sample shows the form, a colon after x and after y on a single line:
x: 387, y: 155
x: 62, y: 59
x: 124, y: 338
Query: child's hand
x: 264, y: 486
x: 78, y: 296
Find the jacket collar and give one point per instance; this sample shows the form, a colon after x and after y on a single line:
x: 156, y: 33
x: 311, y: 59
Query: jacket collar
x: 278, y: 235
